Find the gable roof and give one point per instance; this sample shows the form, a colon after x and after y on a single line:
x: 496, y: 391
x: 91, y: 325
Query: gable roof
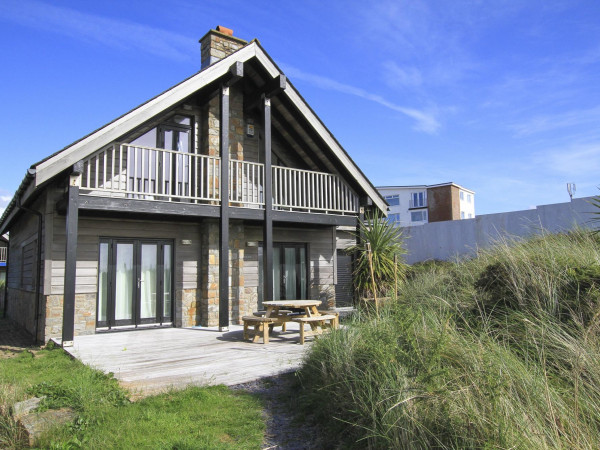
x: 54, y: 164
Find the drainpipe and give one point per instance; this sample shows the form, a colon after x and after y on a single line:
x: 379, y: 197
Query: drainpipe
x: 39, y: 265
x: 5, y: 306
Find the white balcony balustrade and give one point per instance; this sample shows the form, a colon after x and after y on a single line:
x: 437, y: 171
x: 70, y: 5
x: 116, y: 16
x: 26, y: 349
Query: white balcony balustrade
x: 3, y: 251
x: 128, y: 171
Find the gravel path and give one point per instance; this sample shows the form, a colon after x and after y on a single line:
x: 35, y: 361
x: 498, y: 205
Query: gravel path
x: 282, y: 431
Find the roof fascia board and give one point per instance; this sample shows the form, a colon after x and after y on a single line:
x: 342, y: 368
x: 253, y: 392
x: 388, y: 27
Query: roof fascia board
x: 136, y: 117
x: 14, y: 210
x: 314, y: 121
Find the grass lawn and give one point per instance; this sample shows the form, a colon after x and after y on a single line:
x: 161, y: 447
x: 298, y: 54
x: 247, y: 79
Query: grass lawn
x: 209, y: 417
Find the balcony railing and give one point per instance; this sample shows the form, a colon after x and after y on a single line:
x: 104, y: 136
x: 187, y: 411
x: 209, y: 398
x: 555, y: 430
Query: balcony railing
x: 417, y: 204
x: 296, y: 189
x: 128, y: 171
x: 3, y: 251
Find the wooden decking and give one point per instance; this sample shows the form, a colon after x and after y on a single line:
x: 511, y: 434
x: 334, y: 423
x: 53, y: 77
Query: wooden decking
x: 152, y: 360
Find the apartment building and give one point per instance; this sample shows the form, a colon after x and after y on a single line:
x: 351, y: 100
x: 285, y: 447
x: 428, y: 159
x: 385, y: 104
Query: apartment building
x: 420, y: 204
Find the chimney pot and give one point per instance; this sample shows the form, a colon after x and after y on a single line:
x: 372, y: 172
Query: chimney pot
x: 224, y: 30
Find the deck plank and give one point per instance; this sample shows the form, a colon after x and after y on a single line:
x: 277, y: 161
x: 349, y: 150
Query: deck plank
x: 152, y: 360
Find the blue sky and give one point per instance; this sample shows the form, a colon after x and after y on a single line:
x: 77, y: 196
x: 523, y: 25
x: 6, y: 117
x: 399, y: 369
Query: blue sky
x: 502, y: 97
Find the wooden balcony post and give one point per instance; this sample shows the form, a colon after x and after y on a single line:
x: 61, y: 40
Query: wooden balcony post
x: 224, y: 222
x: 236, y: 72
x: 71, y: 255
x: 268, y: 198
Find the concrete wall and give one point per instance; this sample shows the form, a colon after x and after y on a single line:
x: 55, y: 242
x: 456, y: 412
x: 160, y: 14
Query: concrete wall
x: 446, y: 240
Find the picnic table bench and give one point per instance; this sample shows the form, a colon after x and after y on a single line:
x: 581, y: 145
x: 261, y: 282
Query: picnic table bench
x: 306, y: 313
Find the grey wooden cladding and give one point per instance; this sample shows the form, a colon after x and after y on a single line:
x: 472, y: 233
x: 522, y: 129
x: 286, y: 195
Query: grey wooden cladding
x: 90, y: 231
x: 23, y: 253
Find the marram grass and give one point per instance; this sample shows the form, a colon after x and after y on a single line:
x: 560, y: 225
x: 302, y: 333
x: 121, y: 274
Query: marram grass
x: 499, y: 351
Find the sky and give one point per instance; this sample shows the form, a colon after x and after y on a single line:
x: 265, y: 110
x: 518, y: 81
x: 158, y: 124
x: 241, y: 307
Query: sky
x: 501, y: 97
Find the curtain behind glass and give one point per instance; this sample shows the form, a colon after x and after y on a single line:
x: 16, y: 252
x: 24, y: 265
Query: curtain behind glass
x: 124, y: 282
x: 276, y: 275
x: 290, y: 273
x: 102, y: 282
x: 148, y: 281
x: 168, y: 276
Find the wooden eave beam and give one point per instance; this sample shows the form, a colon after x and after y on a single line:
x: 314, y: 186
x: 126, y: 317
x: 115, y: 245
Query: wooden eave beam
x: 271, y: 89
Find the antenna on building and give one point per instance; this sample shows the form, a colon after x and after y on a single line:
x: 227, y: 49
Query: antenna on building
x: 571, y: 188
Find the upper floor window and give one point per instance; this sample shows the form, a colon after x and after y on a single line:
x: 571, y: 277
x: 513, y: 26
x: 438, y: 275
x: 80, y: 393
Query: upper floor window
x: 417, y: 200
x: 418, y: 216
x: 393, y: 200
x: 462, y: 195
x: 462, y: 214
x: 468, y: 198
x: 393, y: 218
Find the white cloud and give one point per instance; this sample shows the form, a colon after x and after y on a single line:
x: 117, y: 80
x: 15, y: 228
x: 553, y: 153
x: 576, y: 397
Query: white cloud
x: 105, y: 31
x: 5, y: 199
x: 549, y: 122
x: 425, y: 121
x: 397, y: 76
x: 577, y: 162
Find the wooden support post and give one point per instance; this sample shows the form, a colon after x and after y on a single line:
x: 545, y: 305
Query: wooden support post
x: 268, y: 223
x: 224, y: 222
x: 370, y: 256
x: 71, y: 255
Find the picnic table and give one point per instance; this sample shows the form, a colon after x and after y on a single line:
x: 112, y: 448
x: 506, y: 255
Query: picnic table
x: 279, y: 312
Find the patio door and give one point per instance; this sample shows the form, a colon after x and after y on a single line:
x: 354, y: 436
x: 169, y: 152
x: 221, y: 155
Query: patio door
x: 177, y: 168
x: 135, y: 282
x: 290, y: 272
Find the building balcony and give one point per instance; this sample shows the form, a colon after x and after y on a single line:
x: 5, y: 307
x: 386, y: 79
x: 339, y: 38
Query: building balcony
x: 417, y: 204
x: 3, y: 252
x: 159, y: 175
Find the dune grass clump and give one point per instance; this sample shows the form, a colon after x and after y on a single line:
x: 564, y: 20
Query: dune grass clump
x: 498, y: 351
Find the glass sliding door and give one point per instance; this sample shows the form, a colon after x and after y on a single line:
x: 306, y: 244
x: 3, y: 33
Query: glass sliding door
x: 148, y: 281
x: 290, y: 281
x: 124, y: 283
x: 177, y: 171
x: 135, y: 282
x: 103, y: 283
x: 290, y: 272
x: 167, y: 282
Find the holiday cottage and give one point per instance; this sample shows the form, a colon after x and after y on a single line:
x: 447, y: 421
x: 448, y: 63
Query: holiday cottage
x: 192, y: 209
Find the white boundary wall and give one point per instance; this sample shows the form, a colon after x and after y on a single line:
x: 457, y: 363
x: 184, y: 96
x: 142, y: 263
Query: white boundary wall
x: 449, y: 239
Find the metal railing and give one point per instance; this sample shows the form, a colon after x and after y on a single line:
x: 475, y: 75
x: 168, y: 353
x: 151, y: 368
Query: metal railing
x: 129, y: 171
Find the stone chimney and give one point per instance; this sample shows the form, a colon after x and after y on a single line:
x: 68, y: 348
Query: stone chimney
x: 217, y: 44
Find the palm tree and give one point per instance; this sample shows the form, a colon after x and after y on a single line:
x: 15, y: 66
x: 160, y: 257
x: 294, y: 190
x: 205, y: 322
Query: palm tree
x: 384, y: 242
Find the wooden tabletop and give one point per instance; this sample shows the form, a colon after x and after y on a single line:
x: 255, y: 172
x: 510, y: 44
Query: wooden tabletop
x: 293, y: 303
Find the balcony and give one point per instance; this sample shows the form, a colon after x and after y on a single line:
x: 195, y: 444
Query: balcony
x: 419, y: 203
x: 159, y: 175
x: 3, y: 251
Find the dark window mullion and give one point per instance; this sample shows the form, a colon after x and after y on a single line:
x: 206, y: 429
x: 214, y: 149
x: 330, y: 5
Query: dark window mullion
x: 298, y: 275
